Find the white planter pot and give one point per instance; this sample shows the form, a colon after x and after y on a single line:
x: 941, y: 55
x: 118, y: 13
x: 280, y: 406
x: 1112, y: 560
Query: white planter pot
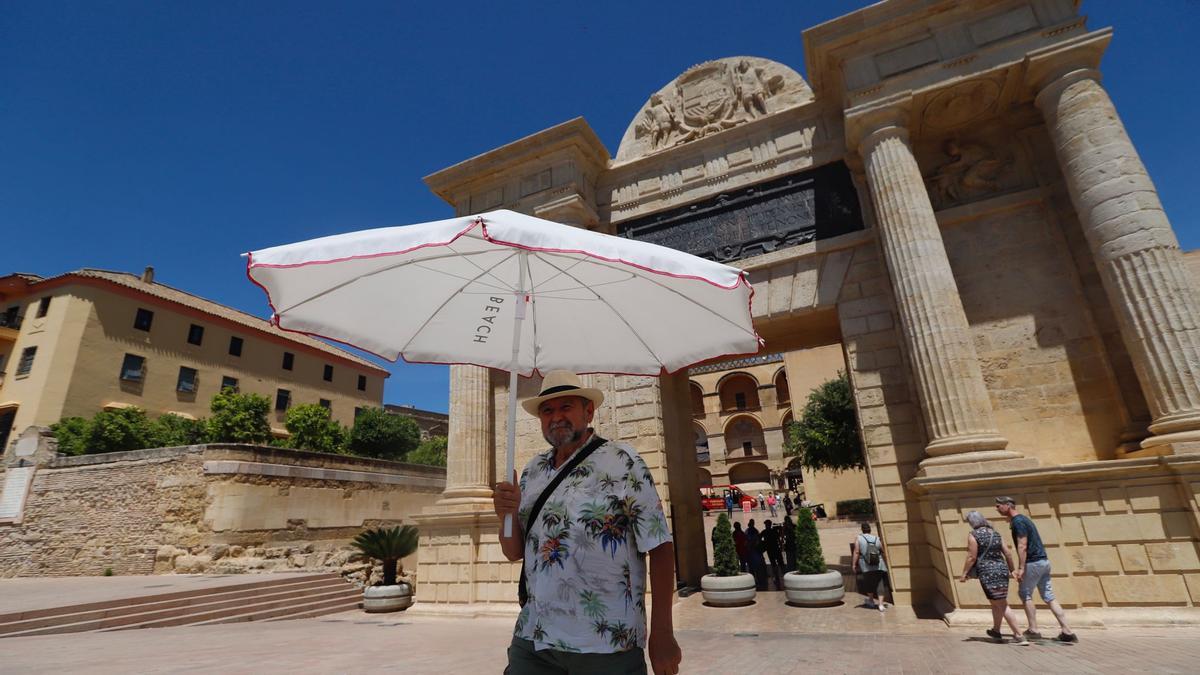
x: 728, y: 591
x: 814, y: 590
x: 387, y: 598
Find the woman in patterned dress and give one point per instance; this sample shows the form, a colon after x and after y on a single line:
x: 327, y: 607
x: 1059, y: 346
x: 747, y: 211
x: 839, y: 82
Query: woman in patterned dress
x: 993, y: 564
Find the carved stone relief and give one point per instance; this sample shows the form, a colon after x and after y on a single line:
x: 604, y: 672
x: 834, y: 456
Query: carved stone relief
x: 711, y: 97
x: 970, y: 169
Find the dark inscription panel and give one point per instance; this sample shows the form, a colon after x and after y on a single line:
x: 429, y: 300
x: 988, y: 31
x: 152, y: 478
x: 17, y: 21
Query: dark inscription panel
x: 756, y: 219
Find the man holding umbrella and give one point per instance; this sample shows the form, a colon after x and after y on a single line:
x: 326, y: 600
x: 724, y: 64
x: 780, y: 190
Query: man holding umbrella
x: 586, y: 513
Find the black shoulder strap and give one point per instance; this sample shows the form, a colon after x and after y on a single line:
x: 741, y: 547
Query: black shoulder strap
x: 576, y: 460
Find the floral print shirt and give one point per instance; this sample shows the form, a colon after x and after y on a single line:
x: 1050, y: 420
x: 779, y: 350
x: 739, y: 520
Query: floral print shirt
x: 585, y: 567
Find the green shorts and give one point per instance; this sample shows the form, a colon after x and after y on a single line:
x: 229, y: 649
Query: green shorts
x: 524, y: 660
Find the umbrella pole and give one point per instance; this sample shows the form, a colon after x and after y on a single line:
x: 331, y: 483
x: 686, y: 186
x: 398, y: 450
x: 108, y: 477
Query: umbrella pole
x: 510, y: 456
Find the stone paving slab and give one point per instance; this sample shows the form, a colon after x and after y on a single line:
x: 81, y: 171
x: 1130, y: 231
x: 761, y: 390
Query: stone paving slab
x: 23, y: 594
x: 357, y: 642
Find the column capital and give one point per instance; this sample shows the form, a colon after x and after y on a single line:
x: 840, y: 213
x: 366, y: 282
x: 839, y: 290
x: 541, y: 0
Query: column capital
x: 1056, y: 66
x: 869, y: 123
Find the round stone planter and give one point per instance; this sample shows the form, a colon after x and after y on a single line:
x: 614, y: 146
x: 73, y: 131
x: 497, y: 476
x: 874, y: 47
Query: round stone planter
x: 814, y: 590
x: 387, y: 598
x: 732, y: 591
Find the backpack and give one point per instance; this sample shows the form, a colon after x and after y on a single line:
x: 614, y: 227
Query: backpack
x: 871, y: 555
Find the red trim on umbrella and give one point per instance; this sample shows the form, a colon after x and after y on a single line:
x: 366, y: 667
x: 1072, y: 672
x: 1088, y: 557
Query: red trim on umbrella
x: 743, y: 277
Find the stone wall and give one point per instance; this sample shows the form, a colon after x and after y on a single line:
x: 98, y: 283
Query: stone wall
x: 1118, y: 533
x: 218, y: 508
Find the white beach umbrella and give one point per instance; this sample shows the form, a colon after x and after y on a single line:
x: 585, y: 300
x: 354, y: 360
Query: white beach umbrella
x: 509, y: 291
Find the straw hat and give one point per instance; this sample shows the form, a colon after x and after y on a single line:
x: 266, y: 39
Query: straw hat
x: 559, y: 383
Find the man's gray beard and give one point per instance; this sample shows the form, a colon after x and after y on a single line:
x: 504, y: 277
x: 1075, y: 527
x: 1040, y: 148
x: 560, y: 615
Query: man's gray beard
x: 574, y: 438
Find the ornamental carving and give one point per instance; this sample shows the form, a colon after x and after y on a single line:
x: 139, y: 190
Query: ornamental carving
x: 961, y: 104
x: 973, y: 170
x: 709, y: 98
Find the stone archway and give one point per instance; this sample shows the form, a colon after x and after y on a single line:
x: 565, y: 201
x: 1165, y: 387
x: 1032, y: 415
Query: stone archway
x: 749, y: 472
x: 744, y: 437
x: 738, y: 391
x: 704, y: 477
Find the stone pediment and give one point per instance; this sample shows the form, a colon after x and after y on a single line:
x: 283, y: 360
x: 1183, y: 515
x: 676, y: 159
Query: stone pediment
x: 709, y: 98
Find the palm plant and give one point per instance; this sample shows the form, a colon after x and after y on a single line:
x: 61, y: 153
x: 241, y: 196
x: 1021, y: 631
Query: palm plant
x: 387, y: 545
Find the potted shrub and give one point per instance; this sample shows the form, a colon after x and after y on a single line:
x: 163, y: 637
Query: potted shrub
x: 387, y: 545
x: 727, y: 586
x: 812, y: 584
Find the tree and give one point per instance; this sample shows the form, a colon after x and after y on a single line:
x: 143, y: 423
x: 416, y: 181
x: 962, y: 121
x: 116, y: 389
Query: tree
x: 809, y: 557
x: 311, y: 428
x: 388, y: 545
x: 725, y: 560
x: 171, y: 430
x: 382, y: 435
x: 826, y: 437
x: 239, y: 418
x: 119, y: 430
x: 72, y: 434
x: 431, y: 452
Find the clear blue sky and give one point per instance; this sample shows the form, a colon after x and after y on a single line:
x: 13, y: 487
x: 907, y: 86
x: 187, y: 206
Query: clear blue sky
x: 182, y: 134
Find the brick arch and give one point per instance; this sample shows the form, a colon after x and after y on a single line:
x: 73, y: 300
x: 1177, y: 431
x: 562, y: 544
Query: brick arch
x: 741, y: 430
x: 697, y: 394
x: 782, y: 392
x: 749, y: 472
x: 738, y: 391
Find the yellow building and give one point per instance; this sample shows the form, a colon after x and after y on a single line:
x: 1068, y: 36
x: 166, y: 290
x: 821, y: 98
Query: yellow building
x: 740, y: 413
x: 87, y: 340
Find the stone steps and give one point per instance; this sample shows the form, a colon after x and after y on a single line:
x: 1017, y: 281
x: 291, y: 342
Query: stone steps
x: 294, y: 597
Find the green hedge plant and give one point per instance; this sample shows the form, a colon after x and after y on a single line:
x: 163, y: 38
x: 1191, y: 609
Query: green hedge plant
x: 856, y: 507
x: 809, y: 557
x: 725, y: 560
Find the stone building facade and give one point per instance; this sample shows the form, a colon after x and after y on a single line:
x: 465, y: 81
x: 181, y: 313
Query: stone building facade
x: 954, y: 200
x: 740, y: 412
x: 87, y: 340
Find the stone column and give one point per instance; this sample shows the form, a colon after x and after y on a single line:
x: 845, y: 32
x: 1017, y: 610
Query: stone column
x: 1134, y: 247
x: 469, y: 444
x: 933, y: 325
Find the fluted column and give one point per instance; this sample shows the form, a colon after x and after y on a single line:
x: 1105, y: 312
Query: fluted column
x: 933, y: 325
x: 1134, y: 248
x: 469, y: 445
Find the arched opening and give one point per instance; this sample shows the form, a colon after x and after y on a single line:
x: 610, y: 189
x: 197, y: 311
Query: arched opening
x: 738, y: 391
x: 744, y: 438
x: 697, y: 400
x: 702, y: 455
x: 782, y: 395
x: 794, y: 475
x: 704, y: 477
x: 749, y: 472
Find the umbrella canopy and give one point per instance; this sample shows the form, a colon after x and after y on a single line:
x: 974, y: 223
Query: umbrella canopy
x: 456, y: 291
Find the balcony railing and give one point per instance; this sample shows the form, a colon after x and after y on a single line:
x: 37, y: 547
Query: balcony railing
x: 732, y: 454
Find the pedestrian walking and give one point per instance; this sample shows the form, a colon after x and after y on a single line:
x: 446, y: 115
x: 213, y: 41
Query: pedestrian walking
x: 758, y: 566
x: 788, y: 504
x: 1033, y: 570
x: 582, y: 552
x: 990, y: 561
x: 762, y: 503
x: 772, y: 546
x: 771, y: 504
x: 729, y: 504
x: 789, y: 544
x: 869, y: 565
x: 742, y: 547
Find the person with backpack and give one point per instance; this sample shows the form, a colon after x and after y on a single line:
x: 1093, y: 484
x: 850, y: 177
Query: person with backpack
x: 869, y: 564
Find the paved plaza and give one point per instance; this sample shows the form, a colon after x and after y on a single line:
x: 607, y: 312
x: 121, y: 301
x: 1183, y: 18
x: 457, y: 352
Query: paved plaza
x: 767, y: 637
